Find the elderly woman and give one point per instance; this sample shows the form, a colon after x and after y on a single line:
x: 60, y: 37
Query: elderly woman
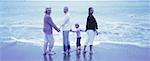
x: 47, y: 29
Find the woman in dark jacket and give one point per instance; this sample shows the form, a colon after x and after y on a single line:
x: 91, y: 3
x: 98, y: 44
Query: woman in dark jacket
x: 91, y: 27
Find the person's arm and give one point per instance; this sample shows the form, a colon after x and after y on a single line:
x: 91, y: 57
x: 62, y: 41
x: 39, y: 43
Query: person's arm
x: 73, y: 30
x: 50, y: 21
x: 96, y: 26
x: 82, y: 30
x: 87, y: 23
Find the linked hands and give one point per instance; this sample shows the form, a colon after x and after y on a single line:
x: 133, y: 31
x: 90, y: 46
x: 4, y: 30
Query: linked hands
x: 58, y: 30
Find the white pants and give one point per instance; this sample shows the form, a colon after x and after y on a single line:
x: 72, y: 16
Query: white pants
x: 90, y: 37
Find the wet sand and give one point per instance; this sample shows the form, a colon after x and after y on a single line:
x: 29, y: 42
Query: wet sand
x: 103, y: 52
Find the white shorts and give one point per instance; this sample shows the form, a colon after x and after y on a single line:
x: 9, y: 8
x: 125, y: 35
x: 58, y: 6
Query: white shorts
x: 49, y: 38
x: 90, y: 37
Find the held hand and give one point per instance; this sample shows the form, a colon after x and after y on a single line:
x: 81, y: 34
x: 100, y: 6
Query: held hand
x: 58, y: 30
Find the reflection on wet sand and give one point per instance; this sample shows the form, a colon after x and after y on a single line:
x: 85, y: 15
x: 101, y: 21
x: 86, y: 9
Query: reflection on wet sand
x: 89, y: 57
x: 48, y: 58
x: 78, y: 56
x: 67, y: 57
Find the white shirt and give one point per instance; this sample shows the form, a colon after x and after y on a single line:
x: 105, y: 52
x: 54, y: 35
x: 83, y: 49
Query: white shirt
x: 66, y: 23
x: 78, y: 30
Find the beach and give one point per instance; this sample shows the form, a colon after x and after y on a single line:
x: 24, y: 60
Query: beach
x: 16, y: 51
x: 124, y: 28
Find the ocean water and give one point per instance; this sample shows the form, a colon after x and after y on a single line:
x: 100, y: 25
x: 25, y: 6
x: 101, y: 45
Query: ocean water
x: 119, y: 22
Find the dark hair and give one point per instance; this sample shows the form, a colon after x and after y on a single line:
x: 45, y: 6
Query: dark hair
x: 77, y: 25
x: 46, y: 10
x: 89, y: 10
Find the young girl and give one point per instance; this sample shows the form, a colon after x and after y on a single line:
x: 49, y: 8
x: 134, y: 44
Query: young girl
x: 77, y: 31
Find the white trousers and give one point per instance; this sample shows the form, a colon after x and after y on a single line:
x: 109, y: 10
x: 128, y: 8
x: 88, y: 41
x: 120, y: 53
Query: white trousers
x: 90, y: 37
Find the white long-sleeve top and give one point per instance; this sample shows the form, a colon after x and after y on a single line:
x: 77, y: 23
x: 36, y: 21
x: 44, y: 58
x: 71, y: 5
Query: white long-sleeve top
x: 66, y: 26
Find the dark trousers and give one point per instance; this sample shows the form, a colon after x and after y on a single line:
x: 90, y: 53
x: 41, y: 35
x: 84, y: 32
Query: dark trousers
x: 78, y: 42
